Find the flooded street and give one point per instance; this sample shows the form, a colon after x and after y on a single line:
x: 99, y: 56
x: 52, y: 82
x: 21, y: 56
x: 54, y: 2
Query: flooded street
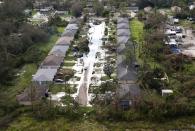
x: 95, y: 35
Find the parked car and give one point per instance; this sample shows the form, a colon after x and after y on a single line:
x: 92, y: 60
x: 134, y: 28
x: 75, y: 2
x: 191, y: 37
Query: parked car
x: 59, y: 80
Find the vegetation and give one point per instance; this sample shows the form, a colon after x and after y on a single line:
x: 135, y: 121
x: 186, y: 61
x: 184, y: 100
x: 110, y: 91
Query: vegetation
x: 61, y: 88
x: 108, y: 70
x: 23, y: 46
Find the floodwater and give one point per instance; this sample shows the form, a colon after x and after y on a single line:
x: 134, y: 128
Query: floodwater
x: 95, y: 35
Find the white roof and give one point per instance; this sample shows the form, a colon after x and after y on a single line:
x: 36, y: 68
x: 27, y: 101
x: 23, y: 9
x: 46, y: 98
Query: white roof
x: 39, y: 16
x: 167, y: 91
x: 176, y: 20
x: 44, y: 75
x: 191, y: 7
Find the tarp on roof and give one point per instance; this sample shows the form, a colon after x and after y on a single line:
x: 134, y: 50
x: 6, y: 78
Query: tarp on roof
x: 123, y: 32
x: 64, y: 40
x: 123, y: 26
x: 72, y: 27
x: 44, y: 75
x: 70, y: 33
x: 122, y: 39
x: 59, y: 50
x: 52, y: 60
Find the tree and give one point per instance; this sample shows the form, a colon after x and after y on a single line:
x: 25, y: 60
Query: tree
x: 83, y: 45
x: 99, y: 8
x: 129, y: 56
x: 108, y: 86
x: 76, y: 9
x: 108, y: 70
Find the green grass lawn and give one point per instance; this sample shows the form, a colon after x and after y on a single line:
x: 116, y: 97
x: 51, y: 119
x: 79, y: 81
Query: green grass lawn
x: 62, y: 88
x: 70, y: 58
x: 46, y: 47
x: 185, y: 23
x: 26, y: 122
x: 105, y: 78
x: 137, y: 30
x: 60, y: 29
x: 34, y: 12
x: 137, y: 33
x: 69, y: 64
x: 20, y: 83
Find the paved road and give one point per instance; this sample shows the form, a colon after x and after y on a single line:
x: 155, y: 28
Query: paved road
x: 83, y: 93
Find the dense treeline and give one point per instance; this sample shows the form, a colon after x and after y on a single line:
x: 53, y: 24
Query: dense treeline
x: 17, y: 38
x: 144, y: 3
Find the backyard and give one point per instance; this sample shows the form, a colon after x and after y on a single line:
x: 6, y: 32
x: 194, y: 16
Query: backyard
x: 24, y: 77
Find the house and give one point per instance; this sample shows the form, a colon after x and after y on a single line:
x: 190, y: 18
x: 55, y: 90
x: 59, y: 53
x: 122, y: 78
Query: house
x: 125, y: 73
x: 134, y: 9
x: 61, y: 13
x: 128, y: 95
x: 122, y: 39
x: 175, y: 9
x: 59, y: 50
x: 44, y: 76
x: 33, y: 93
x: 121, y: 48
x: 127, y: 77
x: 123, y: 26
x: 64, y: 40
x: 72, y: 27
x: 123, y: 32
x: 52, y: 61
x: 74, y: 21
x: 148, y: 9
x: 46, y: 10
x: 69, y: 33
x: 122, y: 20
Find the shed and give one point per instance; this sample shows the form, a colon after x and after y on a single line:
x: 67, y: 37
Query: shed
x: 166, y: 91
